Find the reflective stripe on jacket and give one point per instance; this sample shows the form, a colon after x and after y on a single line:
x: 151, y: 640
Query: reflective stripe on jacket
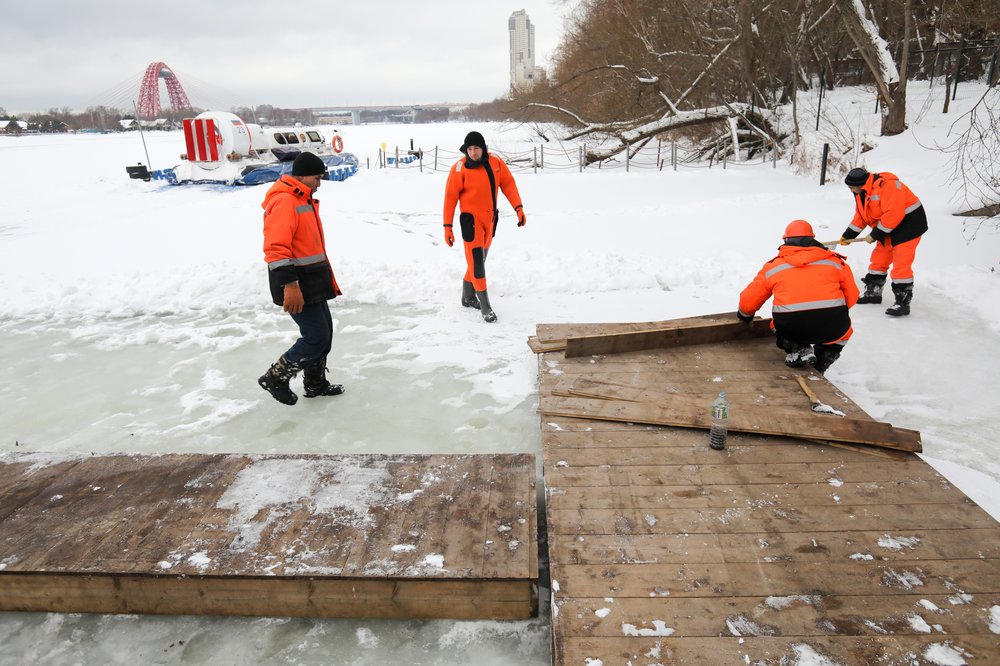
x: 470, y: 188
x: 294, y: 245
x: 800, y: 279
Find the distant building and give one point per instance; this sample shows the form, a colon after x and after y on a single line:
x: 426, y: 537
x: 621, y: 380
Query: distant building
x: 523, y: 72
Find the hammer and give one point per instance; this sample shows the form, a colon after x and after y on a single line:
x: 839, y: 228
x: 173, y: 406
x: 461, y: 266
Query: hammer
x: 814, y: 402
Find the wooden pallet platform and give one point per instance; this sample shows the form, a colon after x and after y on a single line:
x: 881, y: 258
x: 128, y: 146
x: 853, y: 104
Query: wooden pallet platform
x: 400, y: 536
x: 775, y: 550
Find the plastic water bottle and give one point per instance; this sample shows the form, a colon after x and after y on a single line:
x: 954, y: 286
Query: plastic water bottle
x: 720, y: 422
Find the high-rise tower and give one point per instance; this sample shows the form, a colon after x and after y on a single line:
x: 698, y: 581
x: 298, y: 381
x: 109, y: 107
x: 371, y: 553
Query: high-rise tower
x: 523, y: 72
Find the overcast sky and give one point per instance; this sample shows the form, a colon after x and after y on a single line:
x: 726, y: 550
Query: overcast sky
x: 62, y: 53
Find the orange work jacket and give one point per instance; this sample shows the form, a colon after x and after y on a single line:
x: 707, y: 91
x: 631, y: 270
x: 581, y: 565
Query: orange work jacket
x: 884, y: 205
x: 800, y: 279
x: 294, y: 245
x: 470, y: 188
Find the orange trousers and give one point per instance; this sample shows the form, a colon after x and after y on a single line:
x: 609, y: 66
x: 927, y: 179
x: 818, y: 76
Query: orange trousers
x: 477, y: 236
x: 900, y: 257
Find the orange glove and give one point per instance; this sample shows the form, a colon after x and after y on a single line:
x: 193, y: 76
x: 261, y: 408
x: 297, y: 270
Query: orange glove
x: 449, y: 235
x: 521, y: 219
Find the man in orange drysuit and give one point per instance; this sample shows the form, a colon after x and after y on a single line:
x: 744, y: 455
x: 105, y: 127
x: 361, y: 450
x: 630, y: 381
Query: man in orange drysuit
x: 472, y: 185
x: 813, y: 289
x: 301, y: 279
x: 898, y: 221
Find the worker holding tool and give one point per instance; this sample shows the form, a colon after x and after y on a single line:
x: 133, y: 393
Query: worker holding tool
x: 897, y: 220
x: 813, y: 288
x: 472, y: 186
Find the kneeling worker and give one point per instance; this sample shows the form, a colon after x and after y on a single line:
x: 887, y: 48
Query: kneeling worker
x: 813, y: 289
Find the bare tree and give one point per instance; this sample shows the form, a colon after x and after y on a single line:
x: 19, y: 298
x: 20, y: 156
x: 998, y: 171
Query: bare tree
x: 633, y: 69
x: 975, y: 171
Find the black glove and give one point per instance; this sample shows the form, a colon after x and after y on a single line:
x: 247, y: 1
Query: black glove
x: 746, y: 319
x: 878, y: 235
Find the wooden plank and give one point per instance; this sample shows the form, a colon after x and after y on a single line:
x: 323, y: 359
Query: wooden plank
x: 276, y: 596
x: 744, y: 418
x: 667, y: 338
x: 901, y: 577
x: 660, y: 650
x: 740, y: 449
x: 801, y: 615
x: 884, y: 545
x: 765, y: 519
x: 560, y: 332
x: 905, y: 491
x: 833, y: 473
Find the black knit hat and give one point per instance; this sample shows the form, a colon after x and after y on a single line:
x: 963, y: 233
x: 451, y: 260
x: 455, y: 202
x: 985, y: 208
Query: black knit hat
x: 308, y: 164
x: 856, y: 177
x: 473, y: 139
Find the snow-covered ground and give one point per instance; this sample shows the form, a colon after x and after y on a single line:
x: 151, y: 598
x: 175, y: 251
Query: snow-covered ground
x: 136, y: 318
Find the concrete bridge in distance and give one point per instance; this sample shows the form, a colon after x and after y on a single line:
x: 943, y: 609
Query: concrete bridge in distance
x: 357, y: 115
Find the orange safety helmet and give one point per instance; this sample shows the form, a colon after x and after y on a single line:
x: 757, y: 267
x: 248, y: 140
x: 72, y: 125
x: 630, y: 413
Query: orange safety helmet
x: 798, y: 228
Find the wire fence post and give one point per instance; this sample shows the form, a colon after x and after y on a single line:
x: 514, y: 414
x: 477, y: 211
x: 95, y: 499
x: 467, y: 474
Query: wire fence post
x: 435, y: 158
x: 628, y: 157
x: 991, y: 78
x: 819, y: 104
x: 542, y: 150
x: 534, y: 158
x: 421, y: 158
x: 673, y: 154
x: 579, y: 157
x: 659, y: 144
x: 397, y: 157
x: 958, y: 68
x: 822, y: 168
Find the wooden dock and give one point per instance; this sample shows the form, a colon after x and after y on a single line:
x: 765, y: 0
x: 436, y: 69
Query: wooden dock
x: 402, y: 536
x: 829, y: 547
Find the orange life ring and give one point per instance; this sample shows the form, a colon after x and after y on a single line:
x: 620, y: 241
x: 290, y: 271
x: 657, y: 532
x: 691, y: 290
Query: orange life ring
x: 337, y: 143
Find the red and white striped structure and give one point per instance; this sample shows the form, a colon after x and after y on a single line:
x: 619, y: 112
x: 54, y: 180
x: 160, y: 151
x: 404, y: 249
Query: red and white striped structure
x: 202, y: 139
x: 149, y: 91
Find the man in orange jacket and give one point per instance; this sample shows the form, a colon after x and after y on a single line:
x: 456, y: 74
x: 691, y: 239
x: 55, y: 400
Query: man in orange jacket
x: 813, y: 289
x: 472, y: 184
x: 301, y: 279
x: 898, y: 220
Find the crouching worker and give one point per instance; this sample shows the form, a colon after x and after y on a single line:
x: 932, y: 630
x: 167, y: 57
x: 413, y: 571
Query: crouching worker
x: 813, y: 289
x: 301, y: 279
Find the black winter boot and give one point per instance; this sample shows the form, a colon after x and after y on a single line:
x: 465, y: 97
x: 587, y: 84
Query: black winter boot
x: 484, y: 306
x: 799, y: 355
x: 825, y: 356
x: 275, y: 381
x: 873, y: 289
x: 314, y: 380
x: 469, y: 295
x: 903, y: 294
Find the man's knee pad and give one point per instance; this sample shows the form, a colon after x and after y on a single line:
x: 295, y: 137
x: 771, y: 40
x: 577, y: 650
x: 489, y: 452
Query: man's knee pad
x: 478, y: 263
x: 468, y: 223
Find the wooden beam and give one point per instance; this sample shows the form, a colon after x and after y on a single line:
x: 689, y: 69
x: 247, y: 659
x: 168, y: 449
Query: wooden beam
x: 318, y: 596
x: 664, y: 338
x: 744, y: 418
